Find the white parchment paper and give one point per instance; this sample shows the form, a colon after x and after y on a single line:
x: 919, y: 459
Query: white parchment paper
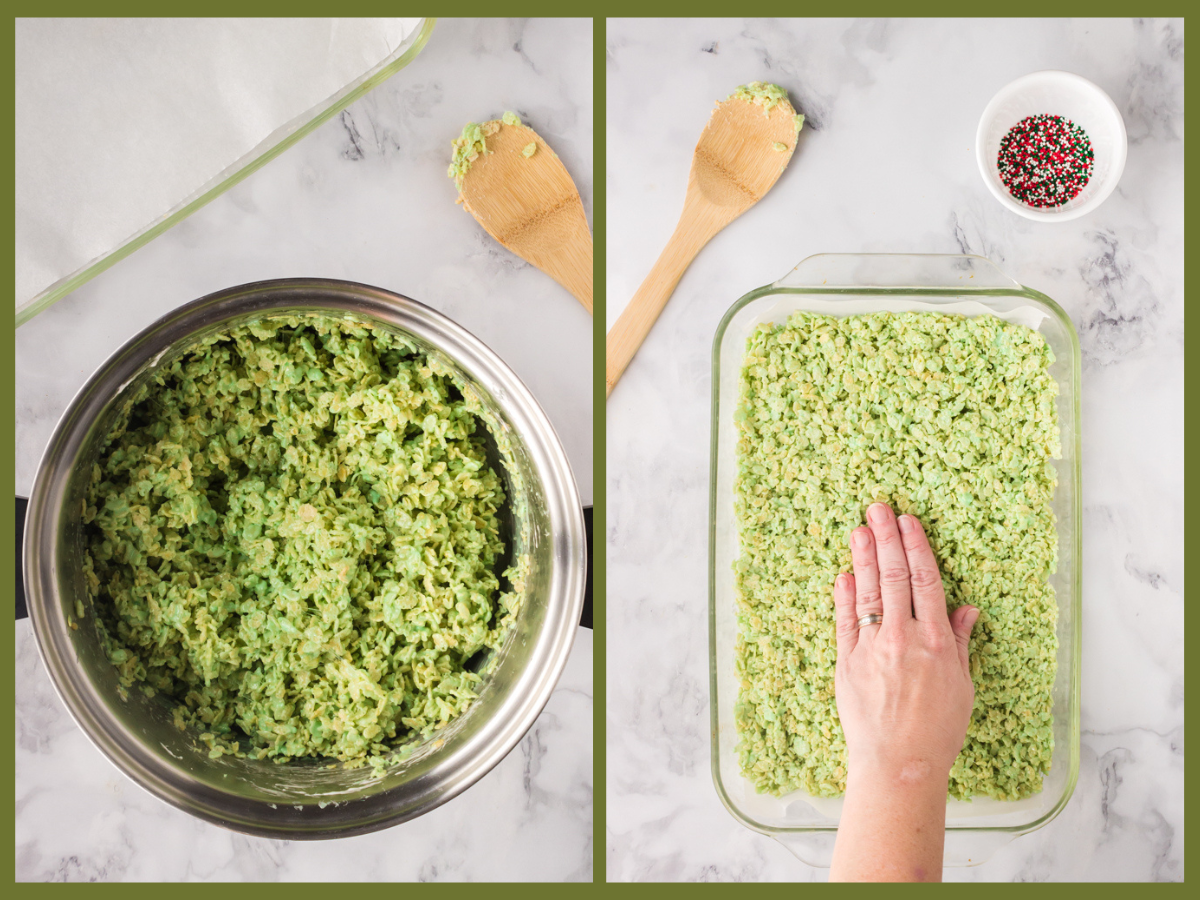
x: 119, y: 122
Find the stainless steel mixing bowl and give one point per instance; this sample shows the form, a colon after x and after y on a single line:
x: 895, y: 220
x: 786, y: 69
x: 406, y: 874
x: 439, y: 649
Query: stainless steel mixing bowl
x: 307, y: 799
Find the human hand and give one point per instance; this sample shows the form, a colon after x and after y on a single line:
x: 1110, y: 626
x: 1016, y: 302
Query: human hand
x: 903, y: 687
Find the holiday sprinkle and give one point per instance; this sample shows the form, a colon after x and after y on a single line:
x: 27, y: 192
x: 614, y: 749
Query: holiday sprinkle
x: 1045, y: 160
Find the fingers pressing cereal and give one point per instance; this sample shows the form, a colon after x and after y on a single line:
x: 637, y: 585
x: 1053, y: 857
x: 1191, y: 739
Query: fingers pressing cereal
x: 867, y: 599
x: 928, y: 596
x: 893, y: 565
x: 847, y: 618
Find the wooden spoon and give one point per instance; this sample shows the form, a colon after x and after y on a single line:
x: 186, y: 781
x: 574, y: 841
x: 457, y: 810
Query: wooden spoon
x: 741, y: 154
x: 530, y: 205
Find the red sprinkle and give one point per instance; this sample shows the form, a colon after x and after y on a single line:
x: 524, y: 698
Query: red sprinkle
x: 1045, y: 160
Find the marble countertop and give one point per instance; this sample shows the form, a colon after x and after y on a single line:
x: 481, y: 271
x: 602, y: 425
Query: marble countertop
x: 363, y: 198
x: 886, y: 163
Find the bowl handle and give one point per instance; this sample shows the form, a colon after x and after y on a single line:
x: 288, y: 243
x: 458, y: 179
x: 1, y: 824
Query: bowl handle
x: 22, y: 505
x: 897, y: 270
x: 963, y: 848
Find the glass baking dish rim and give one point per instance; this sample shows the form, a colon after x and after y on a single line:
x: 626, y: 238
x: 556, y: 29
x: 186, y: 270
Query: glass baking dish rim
x: 1076, y: 476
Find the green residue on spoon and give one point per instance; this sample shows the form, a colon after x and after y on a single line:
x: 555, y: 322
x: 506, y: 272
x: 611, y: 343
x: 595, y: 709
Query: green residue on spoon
x: 798, y: 122
x: 468, y: 147
x: 472, y: 143
x: 768, y: 96
x: 529, y: 150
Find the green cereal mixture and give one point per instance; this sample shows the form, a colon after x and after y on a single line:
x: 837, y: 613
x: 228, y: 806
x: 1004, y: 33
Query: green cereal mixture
x: 948, y: 418
x: 468, y: 147
x: 472, y: 144
x: 292, y: 534
x: 530, y: 149
x: 768, y: 96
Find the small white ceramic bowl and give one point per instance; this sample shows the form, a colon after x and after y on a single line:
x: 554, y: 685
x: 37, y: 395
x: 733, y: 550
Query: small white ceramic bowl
x: 1057, y: 94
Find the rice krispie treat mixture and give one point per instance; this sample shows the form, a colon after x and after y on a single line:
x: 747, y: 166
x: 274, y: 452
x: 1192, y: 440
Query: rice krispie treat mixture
x: 293, y: 534
x: 948, y: 418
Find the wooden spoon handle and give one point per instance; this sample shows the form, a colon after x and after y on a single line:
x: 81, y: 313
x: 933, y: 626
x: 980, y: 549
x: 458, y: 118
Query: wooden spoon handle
x: 571, y: 266
x: 636, y: 320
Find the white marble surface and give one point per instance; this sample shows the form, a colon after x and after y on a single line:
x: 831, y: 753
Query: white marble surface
x: 364, y: 198
x: 886, y: 163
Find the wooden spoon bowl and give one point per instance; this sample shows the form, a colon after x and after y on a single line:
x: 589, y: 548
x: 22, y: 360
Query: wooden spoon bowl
x: 531, y: 206
x: 736, y: 162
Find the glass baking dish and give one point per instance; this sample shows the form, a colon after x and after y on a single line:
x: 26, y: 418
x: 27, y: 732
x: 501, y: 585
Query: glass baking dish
x: 849, y: 284
x: 281, y: 139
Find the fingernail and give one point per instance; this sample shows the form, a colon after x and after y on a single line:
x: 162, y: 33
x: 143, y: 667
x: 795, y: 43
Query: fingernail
x: 877, y: 513
x: 906, y: 524
x: 860, y: 538
x: 971, y: 618
x: 840, y: 581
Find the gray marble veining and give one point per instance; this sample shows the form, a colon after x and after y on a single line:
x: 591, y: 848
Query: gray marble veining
x: 886, y: 163
x: 365, y: 198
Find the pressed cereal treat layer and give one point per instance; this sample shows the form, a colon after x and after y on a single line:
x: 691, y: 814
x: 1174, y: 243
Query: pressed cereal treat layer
x: 949, y: 418
x: 293, y: 533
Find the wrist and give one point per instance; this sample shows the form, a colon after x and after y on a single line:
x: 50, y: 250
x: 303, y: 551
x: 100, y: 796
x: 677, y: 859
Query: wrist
x: 913, y: 777
x: 892, y: 826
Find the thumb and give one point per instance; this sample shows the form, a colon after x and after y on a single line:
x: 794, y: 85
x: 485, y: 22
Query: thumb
x: 962, y: 620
